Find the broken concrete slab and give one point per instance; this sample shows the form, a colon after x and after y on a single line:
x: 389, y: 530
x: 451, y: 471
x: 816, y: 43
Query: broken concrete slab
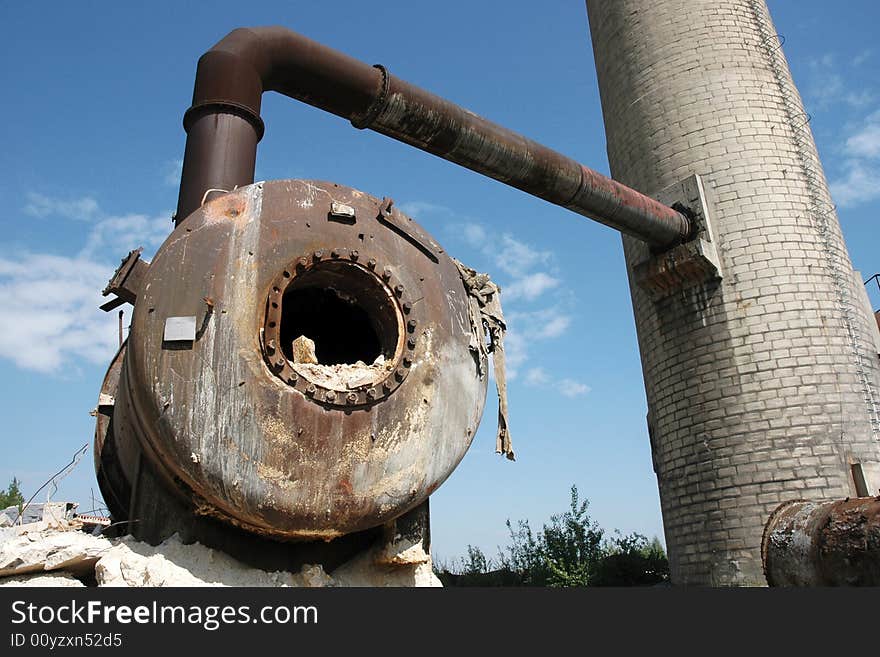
x: 364, y: 572
x: 29, y: 551
x: 377, y: 568
x: 53, y: 579
x: 55, y: 513
x: 345, y: 376
x: 171, y: 563
x: 39, y: 546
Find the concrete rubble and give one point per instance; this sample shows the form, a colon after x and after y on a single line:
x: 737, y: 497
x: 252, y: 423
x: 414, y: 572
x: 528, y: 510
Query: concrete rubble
x: 55, y: 554
x: 391, y: 565
x: 54, y: 579
x: 345, y: 376
x: 41, y: 546
x: 57, y: 514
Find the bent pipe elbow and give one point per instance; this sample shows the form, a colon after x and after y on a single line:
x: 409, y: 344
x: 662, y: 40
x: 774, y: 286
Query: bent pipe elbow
x: 224, y: 126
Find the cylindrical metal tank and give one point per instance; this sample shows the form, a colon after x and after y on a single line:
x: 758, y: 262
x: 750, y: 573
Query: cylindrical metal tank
x: 761, y: 387
x: 823, y: 543
x: 247, y: 428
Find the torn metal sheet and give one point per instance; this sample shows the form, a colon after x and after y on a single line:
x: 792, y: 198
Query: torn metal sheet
x: 487, y: 323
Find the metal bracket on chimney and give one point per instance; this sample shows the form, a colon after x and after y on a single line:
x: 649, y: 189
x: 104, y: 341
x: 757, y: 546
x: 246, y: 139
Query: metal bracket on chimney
x: 691, y: 263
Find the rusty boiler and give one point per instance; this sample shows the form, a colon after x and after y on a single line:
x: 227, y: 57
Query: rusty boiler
x: 300, y: 365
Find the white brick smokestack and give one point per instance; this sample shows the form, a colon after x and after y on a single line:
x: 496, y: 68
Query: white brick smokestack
x: 762, y: 386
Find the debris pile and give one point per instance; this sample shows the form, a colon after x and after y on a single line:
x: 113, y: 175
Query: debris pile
x: 53, y: 553
x: 341, y: 376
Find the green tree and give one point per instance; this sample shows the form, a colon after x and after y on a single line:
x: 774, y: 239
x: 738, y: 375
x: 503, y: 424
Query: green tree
x: 476, y: 562
x: 525, y: 555
x: 475, y: 570
x: 633, y: 561
x: 566, y: 552
x: 572, y: 545
x: 570, y: 550
x: 12, y: 496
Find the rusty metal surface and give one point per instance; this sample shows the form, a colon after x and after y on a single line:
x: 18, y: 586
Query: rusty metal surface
x: 220, y: 154
x: 126, y: 281
x: 823, y: 543
x: 223, y: 127
x: 115, y: 488
x: 220, y: 420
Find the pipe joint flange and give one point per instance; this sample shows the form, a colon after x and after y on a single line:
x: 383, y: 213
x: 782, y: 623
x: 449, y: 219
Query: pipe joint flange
x: 224, y: 107
x: 378, y: 103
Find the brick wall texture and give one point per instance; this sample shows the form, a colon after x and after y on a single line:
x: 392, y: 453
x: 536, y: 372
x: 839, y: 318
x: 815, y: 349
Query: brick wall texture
x: 761, y: 387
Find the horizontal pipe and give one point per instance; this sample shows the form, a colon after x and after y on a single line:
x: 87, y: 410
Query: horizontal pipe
x: 823, y: 543
x: 232, y: 76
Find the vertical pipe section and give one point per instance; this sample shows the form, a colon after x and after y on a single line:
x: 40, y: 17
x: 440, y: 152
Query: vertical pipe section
x: 221, y: 153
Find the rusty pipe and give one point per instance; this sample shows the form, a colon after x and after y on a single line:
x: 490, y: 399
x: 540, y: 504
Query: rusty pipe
x: 223, y: 127
x: 823, y: 543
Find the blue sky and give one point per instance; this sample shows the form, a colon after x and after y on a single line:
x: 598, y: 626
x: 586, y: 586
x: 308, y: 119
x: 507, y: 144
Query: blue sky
x: 94, y: 95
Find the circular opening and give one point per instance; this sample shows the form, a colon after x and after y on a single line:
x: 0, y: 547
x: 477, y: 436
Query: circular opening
x: 346, y: 311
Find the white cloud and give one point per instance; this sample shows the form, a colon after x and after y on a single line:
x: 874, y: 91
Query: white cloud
x: 50, y: 312
x: 530, y: 287
x: 540, y: 324
x: 116, y: 232
x: 510, y: 255
x: 861, y: 98
x: 50, y: 317
x: 860, y: 184
x: 827, y: 87
x: 81, y: 209
x: 537, y: 376
x: 516, y: 353
x: 572, y: 388
x: 475, y: 235
x: 415, y: 209
x: 549, y: 324
x: 866, y: 142
x: 125, y: 232
x: 526, y: 328
x: 531, y: 276
x: 862, y: 57
x: 555, y: 327
x: 517, y: 258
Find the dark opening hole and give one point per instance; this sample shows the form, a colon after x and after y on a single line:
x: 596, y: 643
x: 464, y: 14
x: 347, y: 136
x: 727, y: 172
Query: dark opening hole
x: 345, y: 310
